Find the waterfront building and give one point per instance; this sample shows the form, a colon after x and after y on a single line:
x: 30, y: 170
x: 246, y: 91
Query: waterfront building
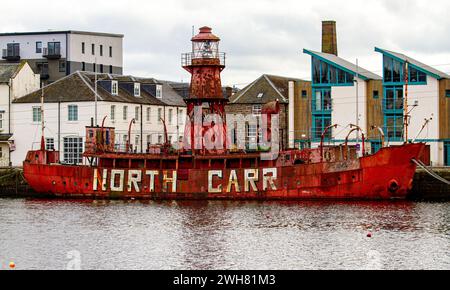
x: 55, y: 54
x: 292, y: 95
x: 344, y: 93
x: 16, y: 80
x: 428, y: 92
x: 69, y: 106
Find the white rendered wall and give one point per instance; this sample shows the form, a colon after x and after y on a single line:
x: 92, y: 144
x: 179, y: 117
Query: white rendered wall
x: 344, y: 108
x: 27, y: 134
x: 28, y: 44
x: 76, y: 55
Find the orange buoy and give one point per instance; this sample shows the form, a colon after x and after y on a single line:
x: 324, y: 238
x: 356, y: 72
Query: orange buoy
x: 12, y: 265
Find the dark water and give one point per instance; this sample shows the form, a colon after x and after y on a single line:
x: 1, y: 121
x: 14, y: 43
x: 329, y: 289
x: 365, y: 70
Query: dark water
x: 38, y: 234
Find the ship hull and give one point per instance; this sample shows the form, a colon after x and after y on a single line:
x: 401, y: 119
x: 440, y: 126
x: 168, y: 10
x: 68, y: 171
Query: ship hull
x: 387, y: 174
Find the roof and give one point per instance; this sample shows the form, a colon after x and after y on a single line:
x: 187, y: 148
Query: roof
x: 9, y: 70
x: 62, y: 32
x: 426, y: 68
x: 270, y: 86
x: 344, y: 65
x: 80, y: 87
x: 5, y: 137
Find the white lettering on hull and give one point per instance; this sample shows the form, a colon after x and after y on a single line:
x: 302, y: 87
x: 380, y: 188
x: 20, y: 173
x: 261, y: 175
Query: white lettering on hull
x: 168, y: 181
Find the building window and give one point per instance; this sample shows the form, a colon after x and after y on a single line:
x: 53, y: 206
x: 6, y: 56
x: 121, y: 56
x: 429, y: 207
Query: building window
x: 324, y: 73
x: 149, y: 112
x: 375, y: 146
x: 159, y: 115
x: 260, y: 95
x: 180, y: 117
x: 170, y: 116
x: 50, y: 144
x: 149, y: 140
x: 13, y: 49
x: 94, y: 67
x: 1, y: 152
x: 73, y: 150
x: 83, y: 46
x: 392, y: 70
x: 159, y: 139
x: 113, y: 113
x: 93, y: 49
x: 321, y: 99
x: 394, y: 126
x: 136, y: 113
x: 110, y: 51
x: 114, y: 88
x: 304, y: 94
x: 53, y: 48
x: 101, y: 68
x: 170, y: 139
x: 447, y: 93
x: 101, y: 50
x: 320, y: 122
x: 73, y: 112
x: 416, y: 76
x: 159, y: 91
x: 376, y: 94
x: 83, y: 66
x: 393, y: 99
x: 136, y: 142
x: 125, y: 113
x: 256, y: 110
x: 110, y: 69
x: 62, y: 66
x: 1, y: 121
x: 37, y: 116
x: 137, y: 89
x: 38, y: 46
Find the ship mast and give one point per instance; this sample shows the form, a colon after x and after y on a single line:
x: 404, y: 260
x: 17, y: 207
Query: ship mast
x: 405, y: 106
x: 42, y: 119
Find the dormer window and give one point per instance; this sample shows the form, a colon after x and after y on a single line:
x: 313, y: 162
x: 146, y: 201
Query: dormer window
x: 137, y: 89
x: 159, y: 91
x: 114, y: 88
x: 260, y: 95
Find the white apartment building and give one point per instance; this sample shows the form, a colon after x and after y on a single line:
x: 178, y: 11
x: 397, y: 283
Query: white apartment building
x: 16, y: 80
x: 69, y: 106
x: 55, y: 54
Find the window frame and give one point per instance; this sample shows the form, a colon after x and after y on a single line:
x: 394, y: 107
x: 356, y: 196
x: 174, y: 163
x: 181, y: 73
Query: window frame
x: 256, y: 110
x: 114, y: 88
x: 125, y: 113
x: 38, y: 49
x: 137, y: 89
x: 93, y: 48
x: 72, y: 113
x: 50, y: 144
x: 73, y: 154
x: 158, y: 92
x: 36, y: 114
x: 113, y: 113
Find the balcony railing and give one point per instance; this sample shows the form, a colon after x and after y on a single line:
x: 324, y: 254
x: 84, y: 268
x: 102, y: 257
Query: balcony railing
x: 11, y: 54
x: 187, y: 58
x: 51, y: 53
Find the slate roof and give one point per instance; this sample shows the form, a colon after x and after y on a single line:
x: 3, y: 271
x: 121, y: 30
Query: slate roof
x: 9, y: 70
x: 366, y: 74
x: 80, y: 87
x: 438, y: 74
x: 270, y: 86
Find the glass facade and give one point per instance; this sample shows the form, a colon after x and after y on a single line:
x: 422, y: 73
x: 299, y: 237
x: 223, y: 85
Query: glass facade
x: 325, y: 73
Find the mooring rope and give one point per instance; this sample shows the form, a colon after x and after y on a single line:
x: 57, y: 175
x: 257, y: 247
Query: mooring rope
x: 430, y: 172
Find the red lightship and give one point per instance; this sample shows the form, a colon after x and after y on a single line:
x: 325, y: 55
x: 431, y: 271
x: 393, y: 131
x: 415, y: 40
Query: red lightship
x: 201, y: 171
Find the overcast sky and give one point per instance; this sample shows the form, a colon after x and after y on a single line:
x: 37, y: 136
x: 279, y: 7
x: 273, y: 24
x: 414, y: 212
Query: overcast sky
x: 259, y: 36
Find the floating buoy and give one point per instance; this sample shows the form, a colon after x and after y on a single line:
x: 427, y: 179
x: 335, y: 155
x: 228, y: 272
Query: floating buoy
x: 369, y: 235
x: 12, y: 265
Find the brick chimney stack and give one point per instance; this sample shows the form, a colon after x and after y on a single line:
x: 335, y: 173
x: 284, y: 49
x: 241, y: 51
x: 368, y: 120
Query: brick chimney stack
x: 329, y: 38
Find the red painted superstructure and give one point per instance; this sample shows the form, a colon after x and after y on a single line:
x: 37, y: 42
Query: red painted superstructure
x: 199, y: 171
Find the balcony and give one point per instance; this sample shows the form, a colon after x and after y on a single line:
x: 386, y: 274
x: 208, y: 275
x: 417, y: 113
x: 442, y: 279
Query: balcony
x: 51, y: 52
x: 11, y: 54
x: 190, y: 58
